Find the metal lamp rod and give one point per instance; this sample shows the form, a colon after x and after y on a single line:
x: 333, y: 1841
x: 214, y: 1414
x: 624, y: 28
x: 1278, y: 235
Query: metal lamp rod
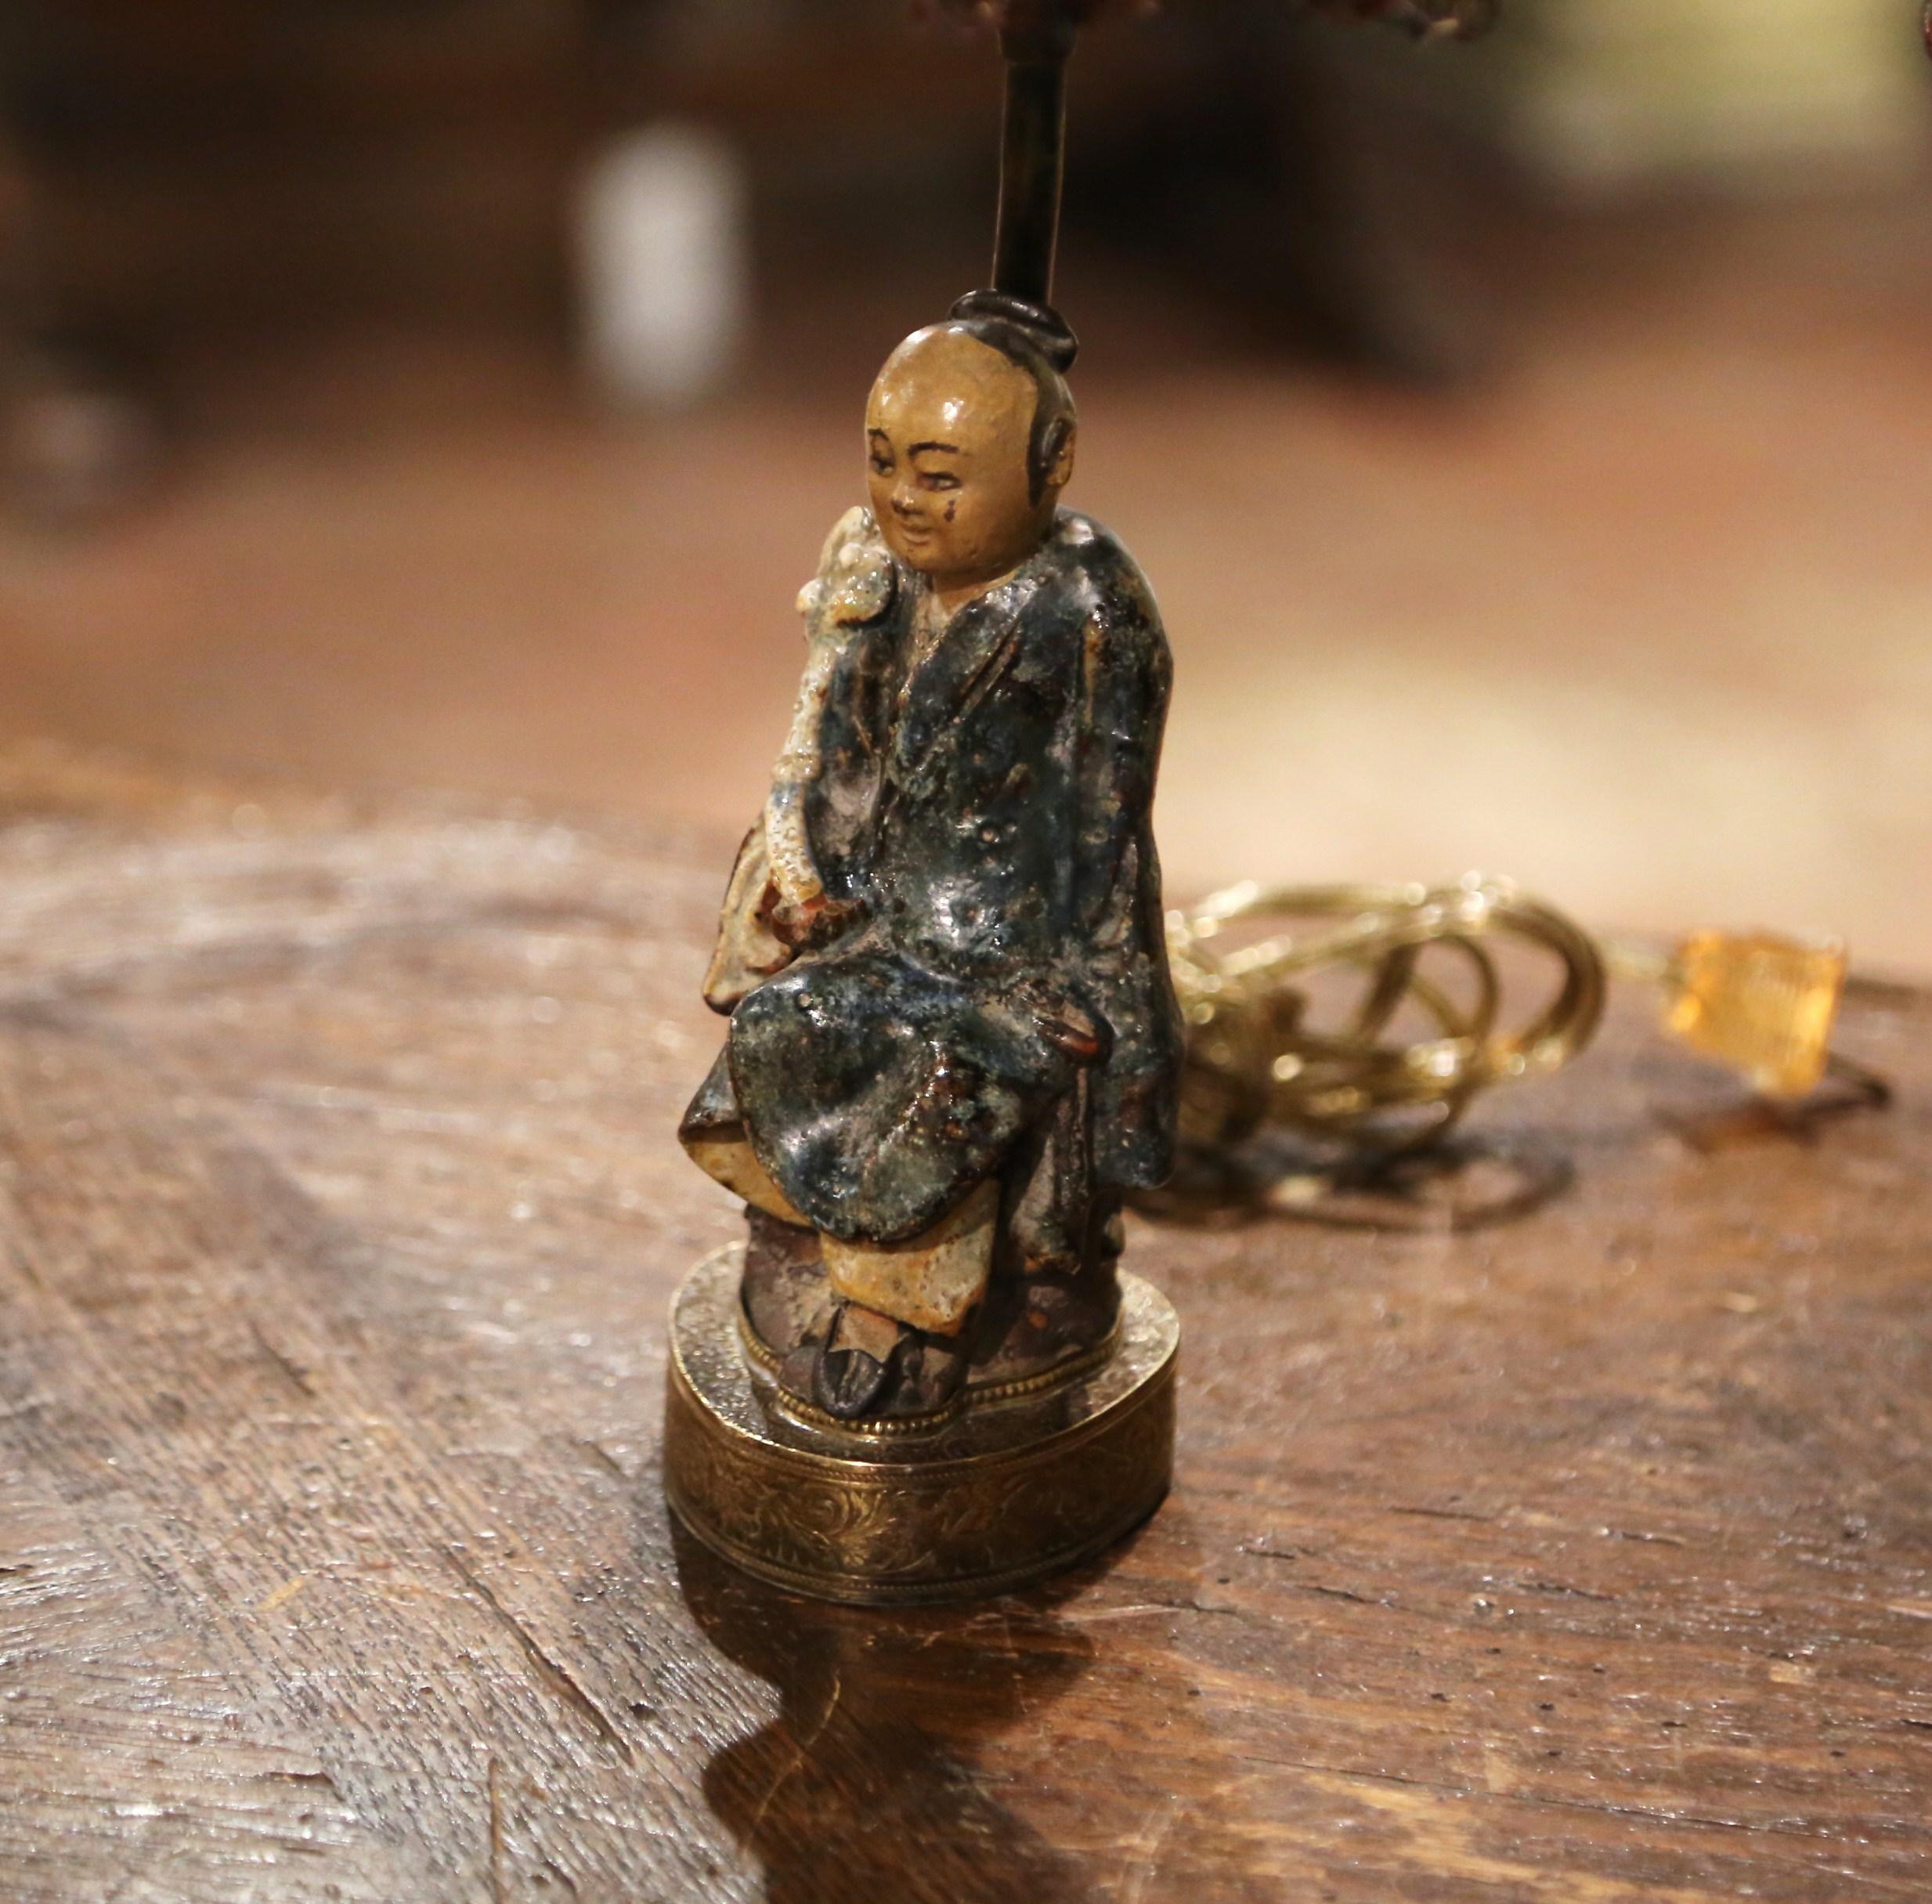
x: 1037, y: 40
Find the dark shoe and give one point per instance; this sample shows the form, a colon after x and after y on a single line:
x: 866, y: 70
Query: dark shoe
x: 853, y: 1372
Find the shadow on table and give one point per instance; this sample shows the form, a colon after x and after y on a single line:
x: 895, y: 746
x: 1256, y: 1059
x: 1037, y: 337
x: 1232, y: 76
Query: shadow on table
x: 1462, y: 1183
x: 1849, y: 1090
x: 864, y: 1786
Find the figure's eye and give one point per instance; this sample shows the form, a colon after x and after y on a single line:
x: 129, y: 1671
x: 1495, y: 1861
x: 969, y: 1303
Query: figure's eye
x: 882, y: 465
x: 938, y: 480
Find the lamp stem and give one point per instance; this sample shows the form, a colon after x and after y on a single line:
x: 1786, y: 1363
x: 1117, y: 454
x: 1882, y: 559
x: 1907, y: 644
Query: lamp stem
x: 1034, y: 153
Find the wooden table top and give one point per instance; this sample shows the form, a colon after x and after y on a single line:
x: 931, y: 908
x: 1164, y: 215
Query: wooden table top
x: 1586, y: 1555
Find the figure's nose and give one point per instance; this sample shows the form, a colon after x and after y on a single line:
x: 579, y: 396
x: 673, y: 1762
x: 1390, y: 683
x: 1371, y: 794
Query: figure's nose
x: 905, y: 501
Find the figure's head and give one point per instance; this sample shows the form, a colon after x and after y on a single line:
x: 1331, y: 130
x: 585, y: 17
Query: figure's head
x: 970, y: 437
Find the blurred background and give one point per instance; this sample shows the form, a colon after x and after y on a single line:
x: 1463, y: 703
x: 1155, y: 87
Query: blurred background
x: 1530, y: 442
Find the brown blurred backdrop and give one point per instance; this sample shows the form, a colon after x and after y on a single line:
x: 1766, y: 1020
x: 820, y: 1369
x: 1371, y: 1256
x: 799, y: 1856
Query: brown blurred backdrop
x: 1531, y: 442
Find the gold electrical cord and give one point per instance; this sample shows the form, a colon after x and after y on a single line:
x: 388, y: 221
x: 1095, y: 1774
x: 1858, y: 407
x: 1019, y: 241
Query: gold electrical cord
x: 1763, y: 1004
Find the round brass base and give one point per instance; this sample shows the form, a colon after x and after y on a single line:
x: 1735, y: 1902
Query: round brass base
x: 1004, y: 1494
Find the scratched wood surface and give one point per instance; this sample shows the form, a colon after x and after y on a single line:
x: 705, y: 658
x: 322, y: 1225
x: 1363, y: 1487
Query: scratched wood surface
x: 1585, y: 1556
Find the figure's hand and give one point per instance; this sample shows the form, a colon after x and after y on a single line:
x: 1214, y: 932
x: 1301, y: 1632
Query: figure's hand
x: 815, y: 920
x: 1085, y: 1038
x: 748, y: 951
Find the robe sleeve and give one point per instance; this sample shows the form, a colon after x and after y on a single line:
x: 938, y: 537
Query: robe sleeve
x: 794, y: 878
x: 1125, y: 676
x: 816, y: 817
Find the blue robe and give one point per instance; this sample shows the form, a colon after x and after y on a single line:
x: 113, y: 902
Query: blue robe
x: 983, y: 817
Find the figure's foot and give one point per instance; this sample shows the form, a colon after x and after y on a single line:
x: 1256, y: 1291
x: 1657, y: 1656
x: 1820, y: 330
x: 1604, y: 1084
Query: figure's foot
x: 863, y: 1366
x: 856, y: 1361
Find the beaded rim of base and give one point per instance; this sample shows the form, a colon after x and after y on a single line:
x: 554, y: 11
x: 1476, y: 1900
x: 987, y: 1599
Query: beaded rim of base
x: 1072, y: 1370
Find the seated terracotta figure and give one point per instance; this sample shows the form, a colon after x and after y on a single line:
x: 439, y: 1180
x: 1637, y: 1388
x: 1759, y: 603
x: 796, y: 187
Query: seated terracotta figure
x: 954, y: 1043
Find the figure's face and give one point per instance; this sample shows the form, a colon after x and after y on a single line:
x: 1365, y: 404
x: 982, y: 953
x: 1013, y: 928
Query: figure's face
x: 947, y: 432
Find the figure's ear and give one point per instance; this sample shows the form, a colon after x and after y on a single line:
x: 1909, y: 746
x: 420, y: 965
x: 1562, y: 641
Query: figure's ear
x: 1060, y: 445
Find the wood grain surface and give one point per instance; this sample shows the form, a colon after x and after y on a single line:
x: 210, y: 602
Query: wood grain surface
x: 1585, y: 1556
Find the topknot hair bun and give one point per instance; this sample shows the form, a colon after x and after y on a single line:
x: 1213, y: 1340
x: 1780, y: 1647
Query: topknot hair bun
x: 1039, y: 325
